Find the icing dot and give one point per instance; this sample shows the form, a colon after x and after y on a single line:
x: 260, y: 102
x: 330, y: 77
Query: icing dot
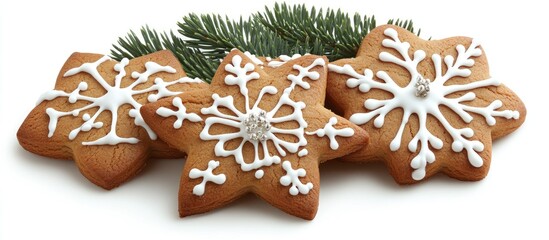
x: 276, y: 159
x: 352, y: 82
x: 372, y: 104
x: 86, y: 127
x: 270, y: 90
x: 457, y: 146
x: 73, y: 98
x: 72, y: 134
x: 83, y: 86
x: 132, y: 113
x: 419, y: 54
x: 469, y: 96
x: 430, y: 157
x: 390, y: 32
x: 285, y: 180
x: 395, y: 145
x: 418, y: 174
x: 475, y: 159
x: 378, y: 122
x: 478, y: 146
x: 259, y: 174
x: 516, y: 114
x: 436, y: 143
x: 467, y: 132
x: 152, y: 98
x: 449, y: 60
x: 364, y: 87
x: 294, y: 191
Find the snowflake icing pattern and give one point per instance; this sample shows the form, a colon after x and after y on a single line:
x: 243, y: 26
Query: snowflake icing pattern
x: 254, y: 124
x: 423, y: 97
x: 112, y: 100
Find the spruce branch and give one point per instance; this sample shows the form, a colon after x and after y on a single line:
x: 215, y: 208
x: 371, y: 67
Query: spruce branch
x: 338, y: 34
x: 196, y: 65
x: 132, y: 46
x: 406, y: 24
x: 281, y: 30
x: 216, y: 35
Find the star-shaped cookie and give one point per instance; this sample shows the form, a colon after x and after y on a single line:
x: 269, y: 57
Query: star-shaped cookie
x: 93, y: 115
x: 429, y: 106
x: 260, y: 130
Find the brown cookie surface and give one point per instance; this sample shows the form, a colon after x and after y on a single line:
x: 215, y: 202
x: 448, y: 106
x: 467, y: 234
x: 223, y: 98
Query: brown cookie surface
x: 429, y: 106
x: 258, y: 130
x: 92, y: 115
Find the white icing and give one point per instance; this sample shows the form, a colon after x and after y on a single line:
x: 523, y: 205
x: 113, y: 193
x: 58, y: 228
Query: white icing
x: 240, y: 76
x: 259, y: 174
x: 422, y: 106
x: 304, y: 152
x: 283, y: 59
x: 207, y: 176
x: 253, y: 58
x: 181, y: 113
x: 331, y: 132
x: 292, y: 178
x: 306, y: 72
x: 114, y: 98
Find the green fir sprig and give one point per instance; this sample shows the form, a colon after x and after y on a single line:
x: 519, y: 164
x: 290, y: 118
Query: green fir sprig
x: 202, y: 41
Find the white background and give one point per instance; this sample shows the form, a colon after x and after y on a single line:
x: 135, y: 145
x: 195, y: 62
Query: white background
x: 43, y: 198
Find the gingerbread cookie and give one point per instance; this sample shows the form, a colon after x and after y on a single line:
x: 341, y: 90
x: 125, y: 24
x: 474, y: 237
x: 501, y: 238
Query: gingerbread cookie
x: 259, y: 130
x: 93, y: 115
x: 432, y: 106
